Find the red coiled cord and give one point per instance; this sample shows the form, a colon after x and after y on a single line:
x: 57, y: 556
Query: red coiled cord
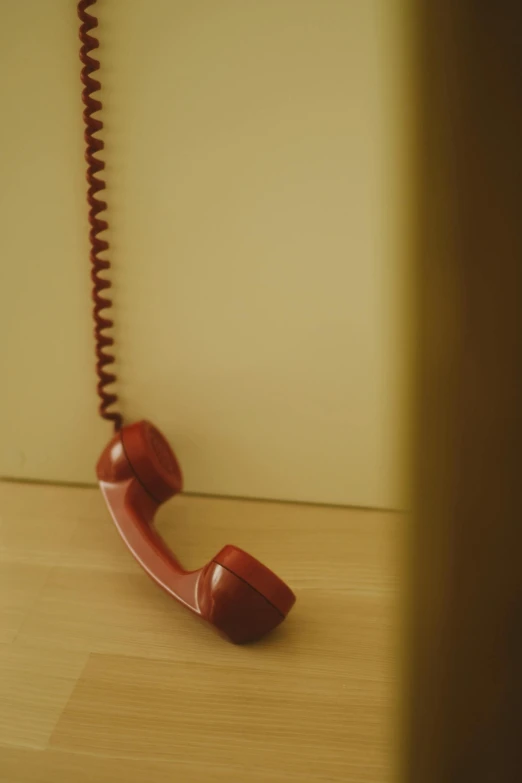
x: 94, y: 166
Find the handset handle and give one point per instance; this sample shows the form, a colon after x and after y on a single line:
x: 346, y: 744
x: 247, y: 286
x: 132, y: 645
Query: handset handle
x: 132, y: 510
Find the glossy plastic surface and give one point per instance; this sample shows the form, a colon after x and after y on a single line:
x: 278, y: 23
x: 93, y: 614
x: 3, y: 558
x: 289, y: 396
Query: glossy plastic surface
x: 241, y: 597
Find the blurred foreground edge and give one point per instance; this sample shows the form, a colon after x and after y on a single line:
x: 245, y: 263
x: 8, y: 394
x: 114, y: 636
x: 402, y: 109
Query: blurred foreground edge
x: 464, y: 635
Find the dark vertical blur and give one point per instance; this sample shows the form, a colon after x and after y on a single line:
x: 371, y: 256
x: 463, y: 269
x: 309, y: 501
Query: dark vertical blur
x: 464, y: 667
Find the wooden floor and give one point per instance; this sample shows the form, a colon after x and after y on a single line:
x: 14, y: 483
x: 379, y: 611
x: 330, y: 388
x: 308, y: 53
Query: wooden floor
x: 103, y: 678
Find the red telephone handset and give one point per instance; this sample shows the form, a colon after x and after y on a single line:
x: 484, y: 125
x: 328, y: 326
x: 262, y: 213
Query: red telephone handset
x: 138, y: 471
x: 242, y: 598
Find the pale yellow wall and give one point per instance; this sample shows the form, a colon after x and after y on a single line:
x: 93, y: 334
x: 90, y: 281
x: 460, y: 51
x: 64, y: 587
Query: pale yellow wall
x: 256, y: 186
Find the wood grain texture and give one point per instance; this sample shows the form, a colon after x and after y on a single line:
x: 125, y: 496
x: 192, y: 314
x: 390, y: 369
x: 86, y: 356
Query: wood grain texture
x: 103, y: 677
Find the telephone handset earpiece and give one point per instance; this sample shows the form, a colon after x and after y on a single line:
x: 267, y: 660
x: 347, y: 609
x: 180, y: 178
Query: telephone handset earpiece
x: 236, y: 593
